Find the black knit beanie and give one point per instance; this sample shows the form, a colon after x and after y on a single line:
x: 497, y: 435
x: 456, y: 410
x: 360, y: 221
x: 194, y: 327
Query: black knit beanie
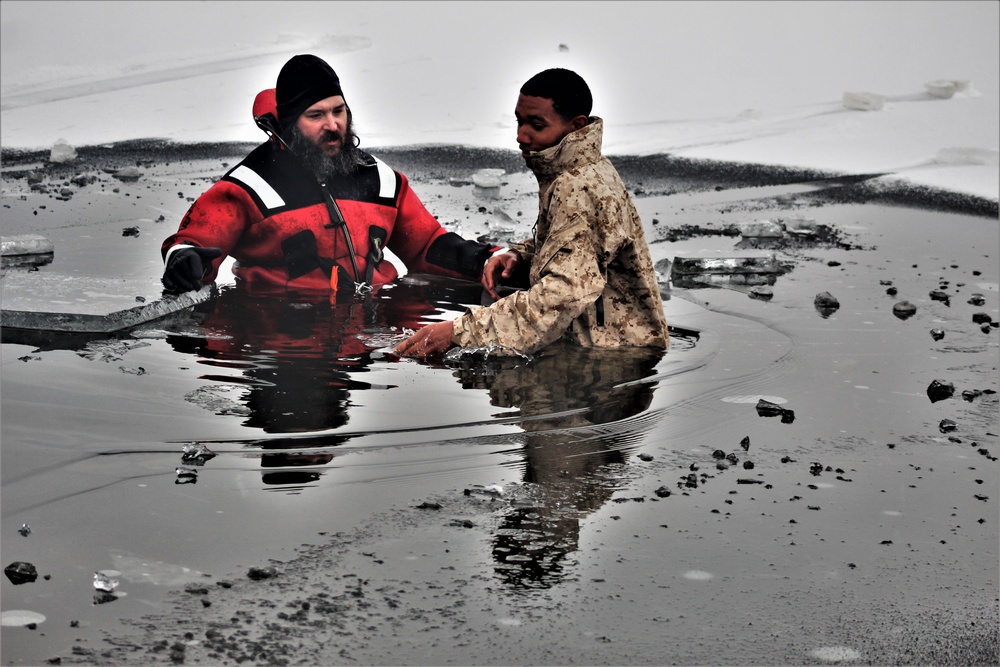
x: 302, y: 82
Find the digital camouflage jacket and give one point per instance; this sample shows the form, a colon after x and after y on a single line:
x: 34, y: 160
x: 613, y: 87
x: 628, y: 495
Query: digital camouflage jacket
x: 591, y: 279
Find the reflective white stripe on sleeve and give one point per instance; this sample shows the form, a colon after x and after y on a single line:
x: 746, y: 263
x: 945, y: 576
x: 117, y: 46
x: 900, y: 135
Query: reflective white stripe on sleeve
x: 252, y: 180
x: 386, y: 180
x: 166, y: 257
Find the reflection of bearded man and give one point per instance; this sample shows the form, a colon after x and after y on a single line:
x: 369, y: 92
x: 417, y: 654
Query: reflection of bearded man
x: 341, y: 164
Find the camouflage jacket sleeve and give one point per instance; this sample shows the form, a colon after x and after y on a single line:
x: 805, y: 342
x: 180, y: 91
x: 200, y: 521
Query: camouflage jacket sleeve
x: 566, y: 279
x: 526, y: 249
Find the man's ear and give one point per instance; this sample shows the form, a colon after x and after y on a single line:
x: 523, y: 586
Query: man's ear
x: 578, y: 122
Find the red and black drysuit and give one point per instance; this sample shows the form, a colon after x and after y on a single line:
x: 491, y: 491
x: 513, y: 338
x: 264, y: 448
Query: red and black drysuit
x: 271, y: 214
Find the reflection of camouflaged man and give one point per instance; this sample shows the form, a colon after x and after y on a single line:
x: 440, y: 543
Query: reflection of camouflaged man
x: 589, y: 275
x: 570, y: 468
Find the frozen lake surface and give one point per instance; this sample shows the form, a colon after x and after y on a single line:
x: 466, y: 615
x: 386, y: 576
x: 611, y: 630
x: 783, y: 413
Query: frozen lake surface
x: 473, y: 503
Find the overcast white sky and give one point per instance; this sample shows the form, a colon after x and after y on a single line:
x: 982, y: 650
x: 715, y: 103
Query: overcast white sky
x: 758, y: 81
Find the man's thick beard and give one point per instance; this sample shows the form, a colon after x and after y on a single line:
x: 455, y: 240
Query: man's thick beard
x: 341, y: 164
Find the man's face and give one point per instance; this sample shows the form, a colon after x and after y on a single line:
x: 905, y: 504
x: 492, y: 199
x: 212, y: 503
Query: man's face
x: 539, y: 125
x: 324, y: 124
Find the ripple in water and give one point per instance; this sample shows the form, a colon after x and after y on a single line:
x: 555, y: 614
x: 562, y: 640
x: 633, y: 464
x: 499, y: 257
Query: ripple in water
x: 753, y: 398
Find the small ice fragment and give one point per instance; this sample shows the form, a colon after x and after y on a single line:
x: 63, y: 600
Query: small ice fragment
x: 863, y: 101
x: 104, y: 580
x: 183, y: 472
x: 25, y: 244
x: 21, y: 572
x: 62, y: 152
x: 128, y: 174
x: 488, y: 178
x: 25, y: 529
x: 196, y: 452
x: 494, y: 489
x: 942, y: 89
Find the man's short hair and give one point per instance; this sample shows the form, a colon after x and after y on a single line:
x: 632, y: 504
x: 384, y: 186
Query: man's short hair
x: 568, y: 91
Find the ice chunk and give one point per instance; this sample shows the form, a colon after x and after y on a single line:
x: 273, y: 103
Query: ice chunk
x: 488, y: 178
x: 185, y: 473
x: 761, y: 229
x: 945, y: 89
x: 487, y: 182
x: 197, y: 453
x: 128, y: 174
x: 62, y: 152
x: 21, y: 572
x: 25, y: 244
x: 106, y: 580
x: 863, y: 101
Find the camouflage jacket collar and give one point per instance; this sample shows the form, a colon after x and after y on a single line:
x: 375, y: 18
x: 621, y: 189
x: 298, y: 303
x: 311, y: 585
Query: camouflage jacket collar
x: 577, y: 149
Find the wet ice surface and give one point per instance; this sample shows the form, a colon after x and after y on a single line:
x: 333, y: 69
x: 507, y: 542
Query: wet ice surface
x: 860, y: 533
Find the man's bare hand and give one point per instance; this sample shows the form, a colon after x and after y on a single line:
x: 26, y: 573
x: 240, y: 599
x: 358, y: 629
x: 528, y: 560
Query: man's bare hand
x: 499, y: 268
x: 432, y: 339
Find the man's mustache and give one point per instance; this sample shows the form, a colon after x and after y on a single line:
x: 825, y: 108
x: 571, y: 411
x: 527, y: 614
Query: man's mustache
x: 330, y: 135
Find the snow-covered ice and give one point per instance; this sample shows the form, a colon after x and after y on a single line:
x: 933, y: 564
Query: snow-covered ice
x: 761, y: 82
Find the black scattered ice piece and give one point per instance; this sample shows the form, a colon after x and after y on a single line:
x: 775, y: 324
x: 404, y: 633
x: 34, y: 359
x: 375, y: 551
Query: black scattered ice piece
x: 428, y: 506
x: 939, y: 390
x: 826, y: 304
x: 21, y: 572
x: 938, y: 295
x: 904, y: 309
x: 260, y: 573
x: 768, y: 409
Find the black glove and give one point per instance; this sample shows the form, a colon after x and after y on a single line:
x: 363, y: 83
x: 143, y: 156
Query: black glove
x: 187, y: 266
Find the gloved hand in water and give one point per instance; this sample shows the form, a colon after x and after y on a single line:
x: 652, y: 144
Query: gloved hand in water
x: 186, y: 267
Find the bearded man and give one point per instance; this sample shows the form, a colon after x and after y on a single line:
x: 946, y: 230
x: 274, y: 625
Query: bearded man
x: 309, y: 211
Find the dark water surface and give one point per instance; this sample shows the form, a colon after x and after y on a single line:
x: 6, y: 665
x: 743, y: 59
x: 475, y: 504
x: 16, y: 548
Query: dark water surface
x: 576, y: 553
x: 313, y: 426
